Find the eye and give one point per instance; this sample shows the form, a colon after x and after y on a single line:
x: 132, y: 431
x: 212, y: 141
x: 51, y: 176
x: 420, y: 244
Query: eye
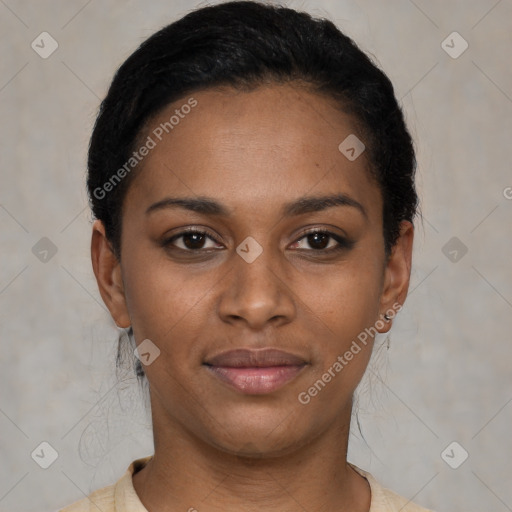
x: 191, y: 240
x: 322, y: 241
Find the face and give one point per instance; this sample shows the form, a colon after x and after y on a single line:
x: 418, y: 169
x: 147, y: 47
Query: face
x: 247, y: 228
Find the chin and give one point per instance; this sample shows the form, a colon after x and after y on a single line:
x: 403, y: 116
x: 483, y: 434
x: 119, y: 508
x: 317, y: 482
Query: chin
x: 261, y: 435
x: 262, y: 448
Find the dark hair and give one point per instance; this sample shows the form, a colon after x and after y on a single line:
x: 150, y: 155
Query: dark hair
x: 245, y: 44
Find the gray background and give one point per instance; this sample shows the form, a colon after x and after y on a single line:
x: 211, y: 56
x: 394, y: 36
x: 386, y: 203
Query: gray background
x: 446, y: 376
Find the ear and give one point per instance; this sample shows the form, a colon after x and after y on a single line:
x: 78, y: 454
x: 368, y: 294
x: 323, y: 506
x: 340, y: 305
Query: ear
x: 397, y: 275
x: 107, y: 270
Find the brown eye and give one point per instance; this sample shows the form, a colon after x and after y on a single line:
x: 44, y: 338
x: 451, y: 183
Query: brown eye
x: 322, y: 241
x: 318, y: 240
x: 194, y: 240
x: 191, y: 240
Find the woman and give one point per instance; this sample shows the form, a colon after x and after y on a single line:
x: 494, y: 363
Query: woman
x: 252, y: 180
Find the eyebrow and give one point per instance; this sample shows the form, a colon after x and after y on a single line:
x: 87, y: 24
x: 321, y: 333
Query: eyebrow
x: 306, y: 204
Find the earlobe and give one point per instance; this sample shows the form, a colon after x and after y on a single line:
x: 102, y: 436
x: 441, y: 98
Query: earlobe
x: 397, y: 275
x: 107, y: 270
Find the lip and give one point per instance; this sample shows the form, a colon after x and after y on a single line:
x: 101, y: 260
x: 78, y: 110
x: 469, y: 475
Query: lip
x: 255, y: 372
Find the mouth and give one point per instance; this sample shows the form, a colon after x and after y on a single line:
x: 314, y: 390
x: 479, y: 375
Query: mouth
x: 256, y: 372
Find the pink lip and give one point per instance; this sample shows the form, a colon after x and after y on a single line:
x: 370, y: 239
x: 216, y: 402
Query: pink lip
x: 256, y: 372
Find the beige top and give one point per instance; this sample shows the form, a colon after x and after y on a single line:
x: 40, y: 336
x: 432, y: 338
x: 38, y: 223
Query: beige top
x: 121, y: 497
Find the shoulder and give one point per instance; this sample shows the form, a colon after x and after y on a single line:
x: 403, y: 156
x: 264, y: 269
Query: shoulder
x: 120, y: 496
x: 386, y: 500
x: 396, y: 502
x: 102, y: 499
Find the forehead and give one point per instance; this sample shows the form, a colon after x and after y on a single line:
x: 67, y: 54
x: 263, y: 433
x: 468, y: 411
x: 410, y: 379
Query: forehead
x: 254, y: 148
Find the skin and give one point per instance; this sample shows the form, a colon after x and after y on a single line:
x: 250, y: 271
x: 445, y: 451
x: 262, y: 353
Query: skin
x: 252, y: 152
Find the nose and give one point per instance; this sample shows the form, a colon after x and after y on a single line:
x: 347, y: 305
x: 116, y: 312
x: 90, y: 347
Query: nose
x: 257, y: 293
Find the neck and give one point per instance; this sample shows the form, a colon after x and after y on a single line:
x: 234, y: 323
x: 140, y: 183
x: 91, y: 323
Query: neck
x: 188, y: 474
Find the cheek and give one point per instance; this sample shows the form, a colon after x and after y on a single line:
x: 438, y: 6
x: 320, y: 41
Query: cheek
x: 165, y: 307
x: 162, y: 297
x: 344, y: 309
x: 342, y: 313
x: 347, y: 299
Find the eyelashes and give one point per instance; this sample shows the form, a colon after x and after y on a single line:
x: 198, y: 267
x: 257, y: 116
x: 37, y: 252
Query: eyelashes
x: 196, y: 235
x: 193, y: 240
x: 318, y: 235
